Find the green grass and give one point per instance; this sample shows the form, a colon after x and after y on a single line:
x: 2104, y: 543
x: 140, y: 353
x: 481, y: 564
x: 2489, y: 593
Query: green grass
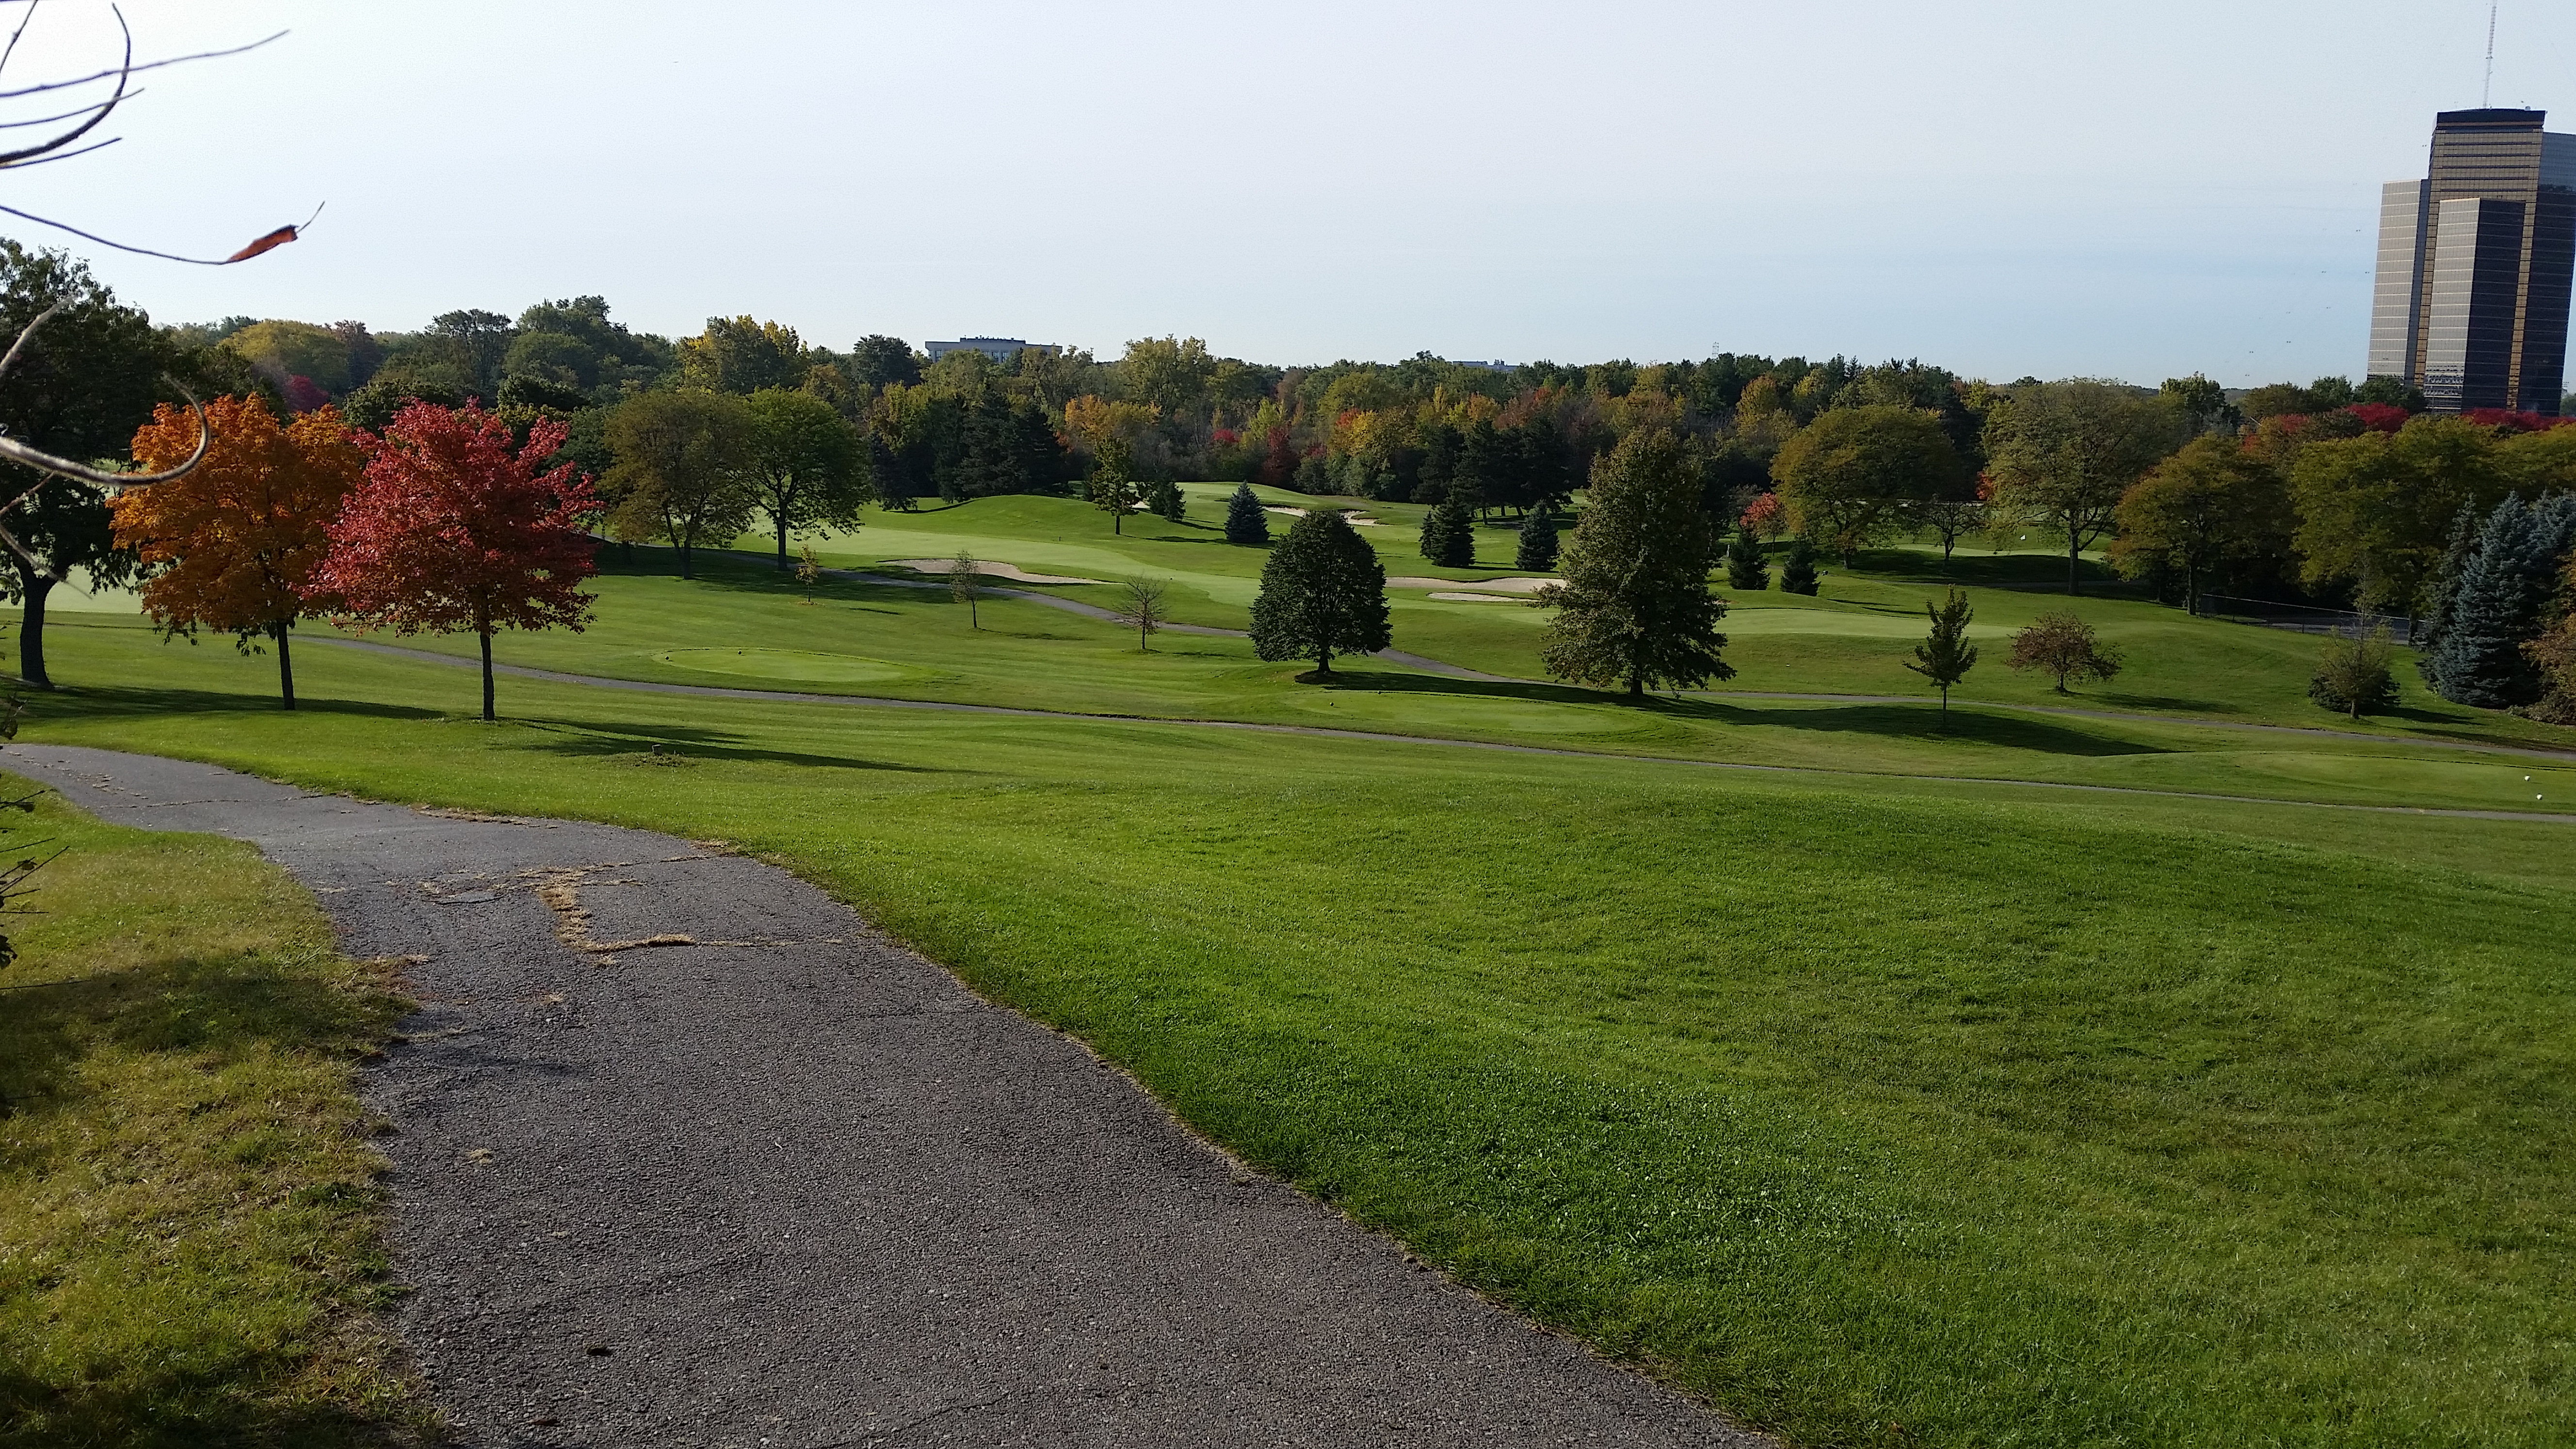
x: 1852, y: 638
x: 1879, y: 1110
x: 743, y: 624
x: 190, y: 1220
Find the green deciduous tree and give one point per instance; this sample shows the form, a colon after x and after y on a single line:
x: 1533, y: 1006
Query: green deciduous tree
x: 966, y: 586
x: 684, y: 469
x: 2205, y: 506
x: 1945, y: 656
x: 80, y: 388
x: 739, y: 355
x: 2064, y: 647
x: 1323, y: 592
x: 1846, y: 477
x: 807, y: 467
x: 2375, y: 511
x: 2062, y: 453
x: 1635, y: 608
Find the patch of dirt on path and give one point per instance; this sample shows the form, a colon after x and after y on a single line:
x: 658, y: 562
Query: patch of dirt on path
x: 780, y: 1181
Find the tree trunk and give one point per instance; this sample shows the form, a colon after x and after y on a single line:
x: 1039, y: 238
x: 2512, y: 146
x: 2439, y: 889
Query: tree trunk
x: 782, y: 540
x: 684, y: 557
x: 2074, y: 551
x: 483, y: 631
x: 1323, y: 661
x: 1945, y: 707
x: 285, y: 663
x: 31, y: 630
x: 1636, y: 684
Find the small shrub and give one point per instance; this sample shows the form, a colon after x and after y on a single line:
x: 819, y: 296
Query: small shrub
x: 2352, y: 674
x: 2064, y: 647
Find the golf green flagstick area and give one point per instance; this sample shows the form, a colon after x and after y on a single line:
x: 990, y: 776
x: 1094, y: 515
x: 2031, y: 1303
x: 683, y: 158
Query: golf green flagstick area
x: 1892, y: 1101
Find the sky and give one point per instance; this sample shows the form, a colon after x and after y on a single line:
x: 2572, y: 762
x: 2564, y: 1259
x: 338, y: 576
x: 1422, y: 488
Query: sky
x: 2120, y: 190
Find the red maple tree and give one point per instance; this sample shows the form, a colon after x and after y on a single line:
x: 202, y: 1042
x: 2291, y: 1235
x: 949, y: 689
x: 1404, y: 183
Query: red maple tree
x: 453, y: 529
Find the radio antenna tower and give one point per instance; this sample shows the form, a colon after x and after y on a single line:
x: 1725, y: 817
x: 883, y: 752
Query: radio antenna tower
x: 2486, y: 92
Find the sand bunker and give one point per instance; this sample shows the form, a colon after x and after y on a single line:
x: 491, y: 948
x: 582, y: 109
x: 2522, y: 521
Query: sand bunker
x: 1013, y: 572
x: 1356, y: 520
x: 1457, y: 598
x: 1491, y: 586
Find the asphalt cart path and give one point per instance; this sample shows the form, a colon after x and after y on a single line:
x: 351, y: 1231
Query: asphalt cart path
x: 684, y: 1154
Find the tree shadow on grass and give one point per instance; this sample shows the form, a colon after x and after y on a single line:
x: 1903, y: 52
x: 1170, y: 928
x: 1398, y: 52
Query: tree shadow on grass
x: 93, y: 702
x: 1914, y: 723
x: 684, y: 743
x: 208, y: 1011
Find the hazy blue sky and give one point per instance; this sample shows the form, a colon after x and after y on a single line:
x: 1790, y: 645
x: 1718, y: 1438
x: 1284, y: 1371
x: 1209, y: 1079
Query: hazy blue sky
x: 2126, y: 190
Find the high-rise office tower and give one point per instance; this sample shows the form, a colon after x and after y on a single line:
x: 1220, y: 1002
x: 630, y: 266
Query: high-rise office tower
x: 2476, y: 262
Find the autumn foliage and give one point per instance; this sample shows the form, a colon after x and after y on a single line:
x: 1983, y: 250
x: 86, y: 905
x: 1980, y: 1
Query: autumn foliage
x: 235, y: 543
x: 453, y: 529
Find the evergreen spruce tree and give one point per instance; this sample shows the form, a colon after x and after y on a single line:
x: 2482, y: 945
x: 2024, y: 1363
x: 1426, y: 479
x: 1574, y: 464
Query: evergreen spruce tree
x: 1323, y: 592
x: 1945, y: 656
x: 1164, y: 498
x: 1744, y: 566
x: 1449, y: 534
x: 1538, y: 542
x: 1635, y: 608
x: 2444, y: 590
x: 1245, y: 523
x: 1798, y: 571
x: 2499, y: 603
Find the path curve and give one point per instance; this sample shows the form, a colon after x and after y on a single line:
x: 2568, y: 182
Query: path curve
x: 785, y: 696
x: 795, y: 1185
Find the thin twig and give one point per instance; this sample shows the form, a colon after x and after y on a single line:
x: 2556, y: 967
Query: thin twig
x: 59, y: 115
x: 65, y: 155
x: 124, y: 73
x: 30, y: 19
x: 136, y: 69
x: 143, y: 251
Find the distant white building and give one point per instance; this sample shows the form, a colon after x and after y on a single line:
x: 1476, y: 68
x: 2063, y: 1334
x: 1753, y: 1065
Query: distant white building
x: 1497, y: 365
x: 1000, y: 349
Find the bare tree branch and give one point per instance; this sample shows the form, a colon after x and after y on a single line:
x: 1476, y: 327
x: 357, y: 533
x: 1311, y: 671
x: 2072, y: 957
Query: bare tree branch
x: 44, y: 462
x: 136, y: 69
x: 279, y: 237
x: 124, y: 73
x: 23, y: 23
x: 61, y: 115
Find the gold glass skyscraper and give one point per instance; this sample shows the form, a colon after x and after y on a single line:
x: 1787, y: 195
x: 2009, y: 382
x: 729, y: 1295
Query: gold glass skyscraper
x: 2476, y: 263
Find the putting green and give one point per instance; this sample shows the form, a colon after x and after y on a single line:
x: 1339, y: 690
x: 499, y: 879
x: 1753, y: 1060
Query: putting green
x: 800, y: 666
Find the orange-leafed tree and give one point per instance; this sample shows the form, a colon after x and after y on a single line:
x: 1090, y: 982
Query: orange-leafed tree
x: 453, y: 529
x: 234, y: 543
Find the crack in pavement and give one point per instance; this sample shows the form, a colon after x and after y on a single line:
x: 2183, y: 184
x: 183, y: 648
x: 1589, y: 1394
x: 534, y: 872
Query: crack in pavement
x: 882, y: 1194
